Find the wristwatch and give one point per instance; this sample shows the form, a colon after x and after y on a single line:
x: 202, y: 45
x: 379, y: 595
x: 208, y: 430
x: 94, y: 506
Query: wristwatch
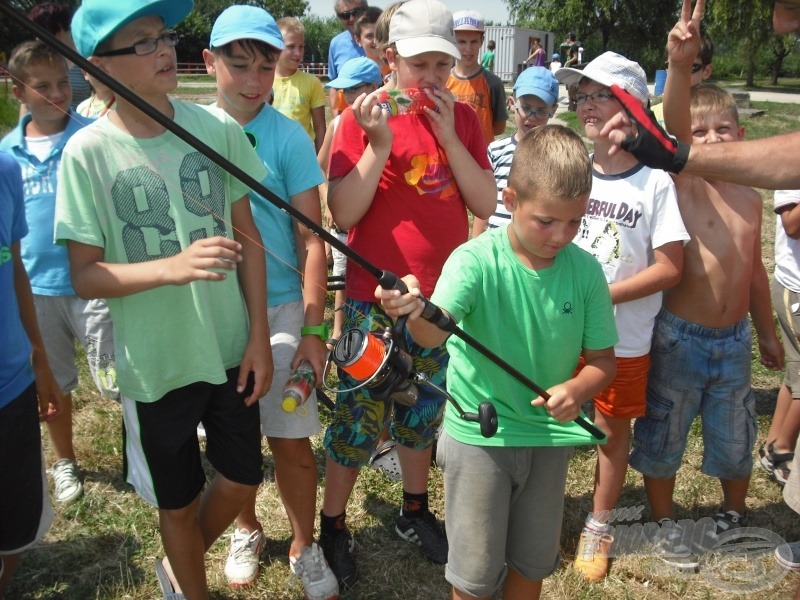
x: 318, y: 330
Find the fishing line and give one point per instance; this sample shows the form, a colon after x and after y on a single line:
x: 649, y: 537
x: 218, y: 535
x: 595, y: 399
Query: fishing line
x: 385, y: 279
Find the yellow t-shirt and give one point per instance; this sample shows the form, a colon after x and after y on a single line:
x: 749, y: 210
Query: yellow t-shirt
x: 295, y: 96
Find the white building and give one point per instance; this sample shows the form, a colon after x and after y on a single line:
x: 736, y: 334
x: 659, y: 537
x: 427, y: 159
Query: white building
x: 513, y: 45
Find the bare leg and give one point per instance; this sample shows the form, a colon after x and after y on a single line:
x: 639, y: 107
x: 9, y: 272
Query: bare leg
x: 187, y: 533
x: 516, y: 587
x: 462, y: 595
x: 10, y: 563
x: 612, y: 462
x: 659, y: 495
x: 415, y: 465
x: 789, y: 428
x: 60, y: 430
x: 183, y: 543
x: 339, y: 483
x: 734, y: 494
x: 782, y: 404
x: 296, y: 478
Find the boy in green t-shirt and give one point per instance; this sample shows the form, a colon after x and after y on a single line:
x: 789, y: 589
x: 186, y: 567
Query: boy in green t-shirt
x: 167, y: 237
x: 504, y: 522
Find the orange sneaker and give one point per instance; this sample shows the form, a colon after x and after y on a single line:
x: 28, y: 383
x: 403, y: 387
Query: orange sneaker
x: 591, y: 558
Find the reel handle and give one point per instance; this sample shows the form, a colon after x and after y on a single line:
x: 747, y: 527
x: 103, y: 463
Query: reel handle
x: 486, y: 417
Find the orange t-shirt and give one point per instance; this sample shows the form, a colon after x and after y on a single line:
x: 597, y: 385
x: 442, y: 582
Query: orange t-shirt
x: 476, y: 92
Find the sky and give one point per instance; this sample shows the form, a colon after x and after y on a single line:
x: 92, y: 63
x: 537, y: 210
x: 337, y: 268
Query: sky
x: 494, y: 10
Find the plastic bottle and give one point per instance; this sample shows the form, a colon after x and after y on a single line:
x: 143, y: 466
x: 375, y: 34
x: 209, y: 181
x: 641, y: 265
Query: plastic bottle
x: 299, y: 387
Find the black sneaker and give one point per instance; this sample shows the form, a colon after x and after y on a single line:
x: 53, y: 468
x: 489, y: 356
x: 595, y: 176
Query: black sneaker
x: 728, y: 520
x: 338, y: 551
x: 426, y: 533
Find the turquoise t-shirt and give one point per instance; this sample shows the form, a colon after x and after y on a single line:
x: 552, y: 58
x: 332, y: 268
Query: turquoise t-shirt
x: 145, y: 199
x: 47, y: 263
x: 288, y: 154
x: 538, y: 321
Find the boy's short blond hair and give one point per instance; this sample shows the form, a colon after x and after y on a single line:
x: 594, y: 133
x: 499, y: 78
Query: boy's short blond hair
x: 707, y: 98
x: 29, y: 54
x: 551, y: 160
x: 382, y: 28
x: 291, y: 25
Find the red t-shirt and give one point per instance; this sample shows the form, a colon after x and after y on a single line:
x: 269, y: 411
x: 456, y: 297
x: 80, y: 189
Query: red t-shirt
x: 417, y: 217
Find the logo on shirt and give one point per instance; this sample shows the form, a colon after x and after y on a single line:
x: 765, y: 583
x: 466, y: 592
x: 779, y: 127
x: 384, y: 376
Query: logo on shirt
x: 5, y: 255
x: 431, y: 174
x: 619, y: 212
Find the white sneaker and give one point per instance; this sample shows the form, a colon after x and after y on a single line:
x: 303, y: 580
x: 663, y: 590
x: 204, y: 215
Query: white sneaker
x: 241, y: 568
x: 68, y: 486
x: 319, y: 582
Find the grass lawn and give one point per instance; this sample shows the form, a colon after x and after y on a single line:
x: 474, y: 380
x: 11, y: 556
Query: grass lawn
x: 104, y: 546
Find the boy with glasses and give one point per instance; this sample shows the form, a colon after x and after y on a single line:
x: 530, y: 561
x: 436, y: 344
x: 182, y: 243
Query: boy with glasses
x: 167, y: 237
x: 535, y: 98
x: 634, y: 229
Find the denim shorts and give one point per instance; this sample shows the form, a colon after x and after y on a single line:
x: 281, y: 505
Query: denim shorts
x: 697, y: 370
x: 358, y: 419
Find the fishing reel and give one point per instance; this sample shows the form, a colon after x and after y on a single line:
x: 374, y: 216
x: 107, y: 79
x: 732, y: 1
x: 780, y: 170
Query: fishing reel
x: 381, y: 364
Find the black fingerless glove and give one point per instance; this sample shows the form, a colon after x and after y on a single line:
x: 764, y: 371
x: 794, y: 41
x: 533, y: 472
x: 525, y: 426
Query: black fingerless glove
x: 651, y: 145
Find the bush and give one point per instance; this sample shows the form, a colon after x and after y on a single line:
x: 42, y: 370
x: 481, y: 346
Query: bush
x: 9, y: 114
x: 319, y: 33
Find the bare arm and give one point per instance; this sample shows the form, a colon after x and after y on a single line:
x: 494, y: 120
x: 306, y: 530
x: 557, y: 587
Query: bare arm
x: 477, y: 185
x: 350, y: 197
x: 769, y: 346
x: 479, y: 226
x: 47, y: 389
x: 425, y: 333
x: 566, y: 398
x: 683, y: 44
x: 664, y: 273
x: 314, y: 267
x: 252, y: 271
x: 94, y: 278
x: 318, y: 122
x: 790, y: 219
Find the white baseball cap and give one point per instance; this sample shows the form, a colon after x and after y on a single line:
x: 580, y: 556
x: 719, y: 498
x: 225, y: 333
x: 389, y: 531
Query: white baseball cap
x: 419, y: 26
x: 468, y: 20
x: 610, y: 69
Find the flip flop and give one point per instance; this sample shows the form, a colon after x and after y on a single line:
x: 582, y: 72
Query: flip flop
x: 385, y: 459
x: 167, y: 589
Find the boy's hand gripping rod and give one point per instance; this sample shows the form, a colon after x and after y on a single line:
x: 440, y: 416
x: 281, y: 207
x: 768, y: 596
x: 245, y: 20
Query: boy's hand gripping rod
x: 386, y: 279
x: 437, y: 316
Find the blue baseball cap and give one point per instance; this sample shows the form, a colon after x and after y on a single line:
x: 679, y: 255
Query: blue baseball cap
x: 539, y: 82
x: 241, y: 22
x: 97, y: 20
x: 355, y: 72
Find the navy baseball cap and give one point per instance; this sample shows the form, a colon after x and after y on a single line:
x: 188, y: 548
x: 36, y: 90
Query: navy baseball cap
x: 97, y: 20
x: 241, y: 22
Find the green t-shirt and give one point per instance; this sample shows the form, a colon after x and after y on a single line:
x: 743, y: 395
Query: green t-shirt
x: 538, y: 321
x: 145, y: 199
x: 487, y: 61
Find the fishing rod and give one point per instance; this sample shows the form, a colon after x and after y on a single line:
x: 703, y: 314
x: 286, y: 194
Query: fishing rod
x: 385, y: 279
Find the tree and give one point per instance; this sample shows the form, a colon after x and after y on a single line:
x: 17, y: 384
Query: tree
x: 11, y: 35
x: 319, y: 33
x: 195, y: 30
x: 747, y: 26
x: 635, y: 28
x: 780, y: 47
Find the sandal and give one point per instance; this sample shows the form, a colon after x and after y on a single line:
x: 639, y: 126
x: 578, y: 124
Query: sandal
x: 385, y: 459
x: 167, y: 587
x: 780, y: 464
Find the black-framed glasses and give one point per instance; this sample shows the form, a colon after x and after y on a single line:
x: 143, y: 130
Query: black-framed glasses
x: 350, y: 14
x: 600, y: 97
x: 533, y: 113
x: 145, y: 46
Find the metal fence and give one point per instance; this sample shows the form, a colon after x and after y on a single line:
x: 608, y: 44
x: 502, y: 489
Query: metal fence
x: 318, y: 69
